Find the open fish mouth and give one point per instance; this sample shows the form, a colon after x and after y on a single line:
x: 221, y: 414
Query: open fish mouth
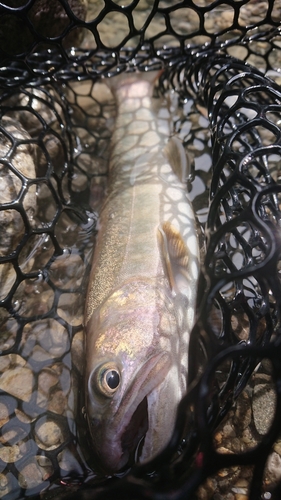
x: 122, y: 441
x: 134, y: 434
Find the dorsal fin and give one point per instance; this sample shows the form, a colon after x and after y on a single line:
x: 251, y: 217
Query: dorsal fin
x: 177, y: 158
x: 175, y: 256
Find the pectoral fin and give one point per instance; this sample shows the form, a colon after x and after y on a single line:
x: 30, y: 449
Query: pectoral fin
x: 175, y: 257
x: 177, y: 158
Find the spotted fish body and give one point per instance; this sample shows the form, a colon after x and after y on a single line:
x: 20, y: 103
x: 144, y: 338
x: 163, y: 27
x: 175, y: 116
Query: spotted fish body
x: 141, y: 297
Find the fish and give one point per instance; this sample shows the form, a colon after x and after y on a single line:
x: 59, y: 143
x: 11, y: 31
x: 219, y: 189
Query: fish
x: 141, y: 297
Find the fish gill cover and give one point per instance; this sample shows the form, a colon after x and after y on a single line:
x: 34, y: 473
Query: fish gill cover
x: 221, y: 61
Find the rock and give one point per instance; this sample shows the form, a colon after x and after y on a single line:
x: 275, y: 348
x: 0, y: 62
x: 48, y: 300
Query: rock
x: 4, y: 414
x: 70, y: 308
x: 18, y: 382
x: 243, y: 412
x: 9, y: 454
x: 25, y: 107
x: 9, y: 327
x: 21, y: 157
x: 273, y: 467
x: 263, y: 404
x: 277, y: 447
x: 207, y: 490
x: 48, y: 434
x: 30, y: 475
x: 77, y: 350
x: 46, y: 380
x: 58, y: 402
x: 68, y: 462
x: 67, y: 271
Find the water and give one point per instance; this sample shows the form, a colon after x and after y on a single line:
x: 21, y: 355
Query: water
x: 42, y: 358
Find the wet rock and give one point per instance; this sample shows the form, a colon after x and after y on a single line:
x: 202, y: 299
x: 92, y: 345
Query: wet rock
x: 45, y: 465
x: 39, y: 355
x: 273, y: 468
x: 33, y: 297
x: 47, y: 379
x: 277, y: 447
x: 4, y: 414
x: 49, y: 334
x: 21, y: 157
x: 31, y: 475
x: 9, y: 327
x: 22, y: 417
x: 228, y: 431
x: 67, y: 461
x: 4, y: 362
x: 241, y: 496
x: 9, y: 454
x: 25, y: 108
x: 264, y: 403
x: 67, y: 271
x: 58, y: 402
x: 207, y: 490
x: 18, y: 382
x: 243, y: 412
x: 70, y: 308
x: 48, y: 434
x: 4, y: 486
x: 77, y: 350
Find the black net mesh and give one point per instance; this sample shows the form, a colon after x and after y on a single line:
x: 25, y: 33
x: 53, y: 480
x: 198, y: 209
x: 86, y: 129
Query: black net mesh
x: 221, y: 61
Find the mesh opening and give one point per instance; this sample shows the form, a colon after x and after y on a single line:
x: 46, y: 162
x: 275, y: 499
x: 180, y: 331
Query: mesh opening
x: 221, y: 65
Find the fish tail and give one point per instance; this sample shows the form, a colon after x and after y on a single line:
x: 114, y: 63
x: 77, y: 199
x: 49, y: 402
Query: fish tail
x: 127, y: 79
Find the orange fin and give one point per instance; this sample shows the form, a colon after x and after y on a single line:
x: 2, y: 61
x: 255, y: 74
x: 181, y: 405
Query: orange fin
x: 175, y: 256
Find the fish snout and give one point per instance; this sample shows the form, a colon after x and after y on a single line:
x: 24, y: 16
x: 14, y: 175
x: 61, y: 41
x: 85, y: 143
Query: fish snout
x: 119, y: 427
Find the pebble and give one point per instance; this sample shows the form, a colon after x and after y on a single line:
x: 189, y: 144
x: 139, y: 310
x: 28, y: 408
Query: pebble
x: 22, y: 159
x: 47, y: 379
x: 67, y: 271
x: 112, y: 38
x: 4, y: 362
x: 70, y: 308
x: 68, y: 462
x: 273, y: 467
x: 3, y: 484
x: 58, y: 402
x: 9, y: 454
x: 4, y: 414
x: 206, y: 491
x: 243, y: 411
x: 264, y: 403
x: 9, y: 327
x: 277, y: 447
x: 33, y: 298
x: 77, y: 350
x: 48, y: 434
x: 49, y: 334
x: 45, y: 465
x: 18, y: 382
x: 30, y: 475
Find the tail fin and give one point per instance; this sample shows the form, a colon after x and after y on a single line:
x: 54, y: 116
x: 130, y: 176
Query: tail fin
x: 127, y: 79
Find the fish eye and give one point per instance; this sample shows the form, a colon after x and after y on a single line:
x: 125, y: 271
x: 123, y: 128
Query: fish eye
x: 108, y: 379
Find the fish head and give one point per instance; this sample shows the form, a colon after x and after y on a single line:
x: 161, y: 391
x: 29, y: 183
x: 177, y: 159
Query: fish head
x: 132, y: 382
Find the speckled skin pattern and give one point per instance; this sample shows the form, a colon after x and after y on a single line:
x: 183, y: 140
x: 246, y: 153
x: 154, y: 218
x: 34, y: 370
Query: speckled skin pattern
x: 137, y: 314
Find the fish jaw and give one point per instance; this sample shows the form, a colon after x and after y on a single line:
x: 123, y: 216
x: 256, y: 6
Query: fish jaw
x: 118, y: 428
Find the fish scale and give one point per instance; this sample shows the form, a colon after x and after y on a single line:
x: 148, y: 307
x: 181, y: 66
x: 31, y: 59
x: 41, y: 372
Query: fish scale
x: 141, y: 297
